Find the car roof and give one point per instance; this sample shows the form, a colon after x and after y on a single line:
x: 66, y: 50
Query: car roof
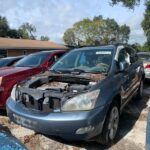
x: 15, y: 57
x: 47, y: 51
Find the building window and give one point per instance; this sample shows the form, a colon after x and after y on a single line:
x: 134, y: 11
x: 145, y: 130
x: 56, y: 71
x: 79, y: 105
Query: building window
x: 25, y: 52
x: 3, y: 53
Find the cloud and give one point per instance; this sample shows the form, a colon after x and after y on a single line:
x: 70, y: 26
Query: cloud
x: 137, y: 33
x: 53, y: 17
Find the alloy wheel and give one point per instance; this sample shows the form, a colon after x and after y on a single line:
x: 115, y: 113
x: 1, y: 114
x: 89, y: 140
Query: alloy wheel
x: 113, y: 122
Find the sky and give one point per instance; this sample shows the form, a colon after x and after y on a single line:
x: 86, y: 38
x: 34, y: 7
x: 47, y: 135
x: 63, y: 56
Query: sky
x: 52, y: 17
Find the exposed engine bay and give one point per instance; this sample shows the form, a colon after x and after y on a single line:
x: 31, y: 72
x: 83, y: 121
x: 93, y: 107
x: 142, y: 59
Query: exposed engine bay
x: 47, y: 93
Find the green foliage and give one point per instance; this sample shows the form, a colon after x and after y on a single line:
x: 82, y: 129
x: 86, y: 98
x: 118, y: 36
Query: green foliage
x: 27, y: 31
x: 124, y: 33
x: 140, y: 48
x: 137, y: 47
x: 146, y: 22
x: 13, y: 33
x: 4, y: 28
x: 23, y: 34
x: 127, y: 3
x: 146, y: 47
x: 44, y: 38
x: 95, y: 32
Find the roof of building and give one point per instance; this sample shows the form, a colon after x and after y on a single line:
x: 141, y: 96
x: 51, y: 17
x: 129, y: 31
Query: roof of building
x: 9, y: 43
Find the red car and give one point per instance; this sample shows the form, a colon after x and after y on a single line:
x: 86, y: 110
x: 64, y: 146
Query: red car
x: 24, y: 68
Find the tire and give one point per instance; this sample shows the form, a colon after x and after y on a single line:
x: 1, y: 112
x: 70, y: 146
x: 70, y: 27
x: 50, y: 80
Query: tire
x: 111, y: 125
x: 140, y: 91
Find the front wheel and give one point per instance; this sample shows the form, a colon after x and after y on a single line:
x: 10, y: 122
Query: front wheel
x: 110, y: 126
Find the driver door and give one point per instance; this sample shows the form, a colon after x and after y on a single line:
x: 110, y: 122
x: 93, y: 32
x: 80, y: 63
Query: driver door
x: 126, y: 79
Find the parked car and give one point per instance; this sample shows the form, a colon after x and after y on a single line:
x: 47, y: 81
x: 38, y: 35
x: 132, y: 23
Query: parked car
x: 8, y: 142
x: 9, y: 61
x: 26, y: 67
x: 145, y: 57
x: 1, y: 56
x: 82, y: 96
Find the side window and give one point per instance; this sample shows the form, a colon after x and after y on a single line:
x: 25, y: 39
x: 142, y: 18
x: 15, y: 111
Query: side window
x: 55, y: 58
x: 133, y: 55
x: 82, y: 60
x: 124, y: 56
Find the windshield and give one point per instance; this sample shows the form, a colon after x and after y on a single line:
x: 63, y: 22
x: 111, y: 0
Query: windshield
x: 93, y: 61
x: 4, y: 62
x: 144, y: 57
x: 32, y: 60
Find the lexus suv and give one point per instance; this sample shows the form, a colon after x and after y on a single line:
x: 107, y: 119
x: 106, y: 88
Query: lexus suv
x: 82, y: 95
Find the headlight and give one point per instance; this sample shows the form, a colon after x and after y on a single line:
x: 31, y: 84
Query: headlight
x: 81, y: 102
x: 13, y: 93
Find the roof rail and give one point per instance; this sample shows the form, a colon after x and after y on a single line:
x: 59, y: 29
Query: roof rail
x: 88, y: 45
x: 124, y: 44
x: 115, y: 44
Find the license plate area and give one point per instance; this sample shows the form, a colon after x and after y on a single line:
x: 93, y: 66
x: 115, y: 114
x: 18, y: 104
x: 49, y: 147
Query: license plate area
x: 24, y: 121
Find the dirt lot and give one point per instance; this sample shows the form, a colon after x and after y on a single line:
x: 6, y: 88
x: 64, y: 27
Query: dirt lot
x: 131, y: 136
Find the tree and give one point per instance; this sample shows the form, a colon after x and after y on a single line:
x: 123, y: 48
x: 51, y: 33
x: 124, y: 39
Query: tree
x: 137, y: 47
x: 44, y: 38
x: 127, y: 3
x: 125, y: 32
x: 13, y: 33
x: 27, y: 31
x: 4, y: 27
x: 146, y: 22
x: 95, y: 32
x: 146, y: 47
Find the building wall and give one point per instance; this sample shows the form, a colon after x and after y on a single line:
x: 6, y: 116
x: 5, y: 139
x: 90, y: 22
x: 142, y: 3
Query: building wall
x: 20, y: 52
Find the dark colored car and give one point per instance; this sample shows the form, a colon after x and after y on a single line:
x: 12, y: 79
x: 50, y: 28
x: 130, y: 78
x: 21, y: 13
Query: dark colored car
x: 145, y: 57
x: 26, y: 67
x: 8, y: 142
x: 9, y: 61
x: 1, y: 56
x: 82, y: 96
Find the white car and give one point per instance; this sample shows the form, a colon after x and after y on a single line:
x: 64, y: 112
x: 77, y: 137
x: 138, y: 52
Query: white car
x: 145, y: 56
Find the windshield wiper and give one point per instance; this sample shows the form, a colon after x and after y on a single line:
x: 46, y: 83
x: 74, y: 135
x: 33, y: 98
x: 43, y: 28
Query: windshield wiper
x: 78, y: 70
x: 57, y: 71
x: 84, y: 71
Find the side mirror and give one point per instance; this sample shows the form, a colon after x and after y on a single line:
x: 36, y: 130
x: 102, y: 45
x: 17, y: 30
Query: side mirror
x: 123, y: 66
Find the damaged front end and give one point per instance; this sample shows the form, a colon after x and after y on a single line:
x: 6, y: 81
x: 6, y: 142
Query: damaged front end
x: 59, y: 92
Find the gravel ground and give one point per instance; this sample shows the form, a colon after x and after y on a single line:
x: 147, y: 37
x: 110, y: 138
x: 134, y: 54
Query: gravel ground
x: 131, y: 135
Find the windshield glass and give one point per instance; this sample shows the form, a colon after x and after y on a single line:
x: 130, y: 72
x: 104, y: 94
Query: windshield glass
x: 4, y: 62
x: 32, y: 60
x: 93, y: 61
x: 144, y: 57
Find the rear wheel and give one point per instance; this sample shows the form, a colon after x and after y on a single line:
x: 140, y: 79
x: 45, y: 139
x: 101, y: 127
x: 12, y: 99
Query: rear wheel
x: 110, y: 126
